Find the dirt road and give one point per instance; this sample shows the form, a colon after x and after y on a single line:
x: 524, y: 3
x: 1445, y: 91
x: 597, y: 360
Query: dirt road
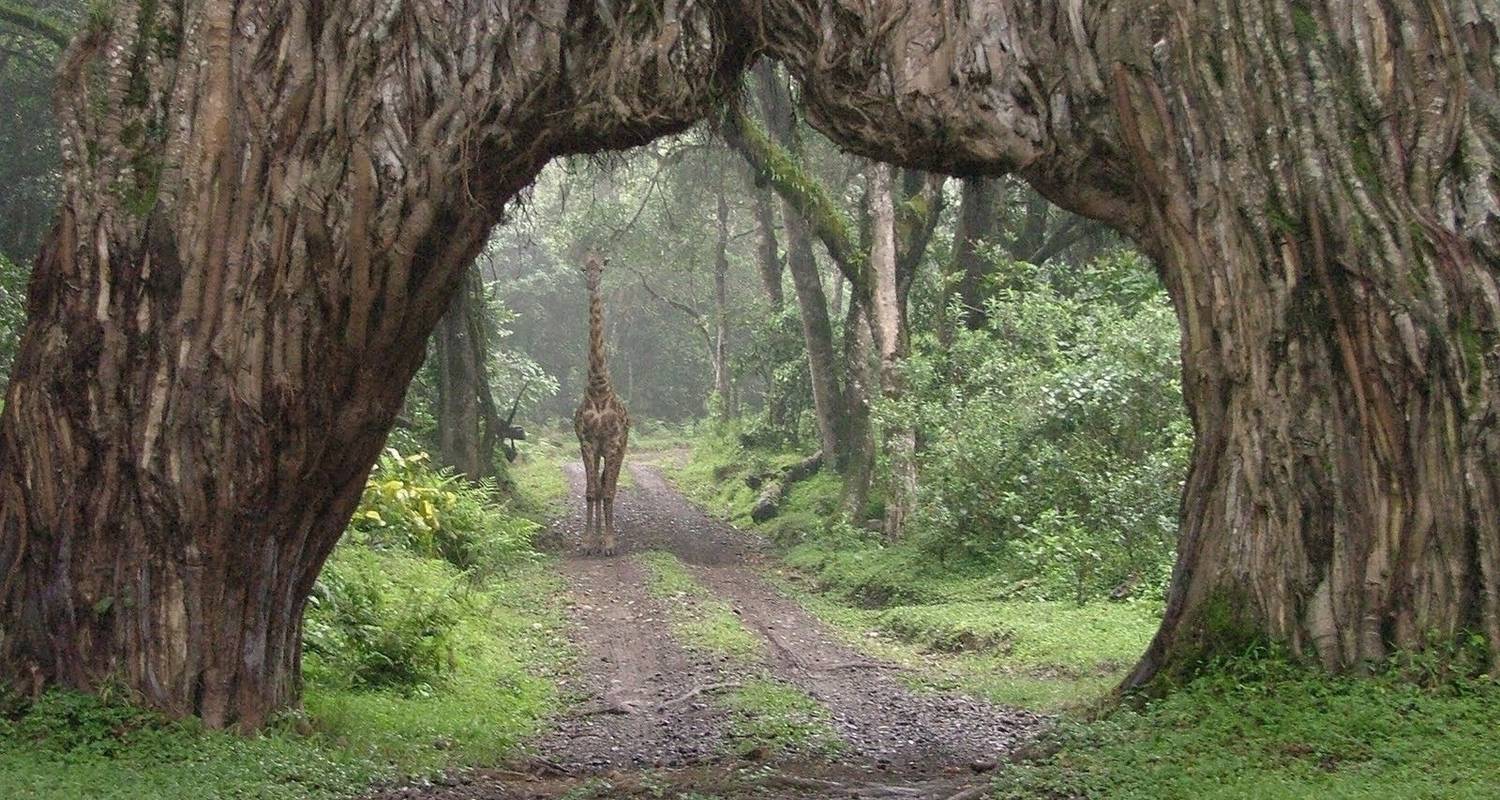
x: 646, y: 722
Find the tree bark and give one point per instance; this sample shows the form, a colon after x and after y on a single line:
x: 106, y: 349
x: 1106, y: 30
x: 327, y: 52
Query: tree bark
x: 468, y: 423
x: 817, y: 332
x: 266, y: 210
x: 892, y: 345
x: 812, y: 303
x: 1337, y: 289
x: 860, y: 378
x: 457, y: 395
x: 767, y: 251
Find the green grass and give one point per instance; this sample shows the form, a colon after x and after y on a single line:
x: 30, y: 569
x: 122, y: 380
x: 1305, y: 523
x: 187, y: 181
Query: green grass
x: 70, y: 745
x: 698, y: 619
x: 1047, y: 657
x: 540, y: 487
x: 498, y: 694
x: 1274, y: 731
x: 771, y: 718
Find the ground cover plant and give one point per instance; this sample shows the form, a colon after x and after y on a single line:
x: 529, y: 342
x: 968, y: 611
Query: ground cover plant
x: 431, y: 642
x: 1260, y: 728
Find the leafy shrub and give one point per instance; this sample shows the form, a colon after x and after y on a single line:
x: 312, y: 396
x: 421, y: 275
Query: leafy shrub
x: 383, y: 620
x: 409, y: 505
x: 1056, y: 440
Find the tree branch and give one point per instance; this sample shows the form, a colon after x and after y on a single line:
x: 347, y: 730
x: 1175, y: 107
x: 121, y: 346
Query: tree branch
x: 699, y: 320
x: 1066, y: 235
x: 800, y: 190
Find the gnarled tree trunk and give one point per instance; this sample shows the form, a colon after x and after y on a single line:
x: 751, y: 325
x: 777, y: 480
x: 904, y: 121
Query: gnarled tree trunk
x: 1336, y: 282
x: 267, y: 208
x: 1316, y: 181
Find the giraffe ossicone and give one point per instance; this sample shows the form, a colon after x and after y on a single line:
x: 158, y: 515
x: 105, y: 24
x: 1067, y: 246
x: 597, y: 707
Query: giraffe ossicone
x: 602, y: 425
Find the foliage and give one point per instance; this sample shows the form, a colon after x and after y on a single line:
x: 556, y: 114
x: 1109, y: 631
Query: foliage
x: 499, y: 688
x: 29, y: 153
x: 1072, y: 487
x: 12, y: 311
x: 1069, y: 493
x: 1262, y: 727
x: 407, y: 504
x: 378, y: 620
x: 73, y: 745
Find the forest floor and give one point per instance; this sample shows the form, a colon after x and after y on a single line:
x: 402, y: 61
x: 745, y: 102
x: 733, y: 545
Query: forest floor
x: 696, y: 678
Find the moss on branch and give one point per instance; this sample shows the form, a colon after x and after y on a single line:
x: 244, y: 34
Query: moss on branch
x: 792, y: 183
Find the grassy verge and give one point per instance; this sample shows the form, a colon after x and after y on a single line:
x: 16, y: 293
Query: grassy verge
x: 956, y: 623
x: 698, y: 619
x: 1275, y: 732
x: 505, y: 655
x: 431, y: 642
x: 71, y: 745
x: 1049, y: 657
x: 768, y: 718
x: 540, y: 487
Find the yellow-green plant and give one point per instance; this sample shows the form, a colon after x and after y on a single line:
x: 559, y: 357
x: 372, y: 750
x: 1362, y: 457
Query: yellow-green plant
x: 409, y: 504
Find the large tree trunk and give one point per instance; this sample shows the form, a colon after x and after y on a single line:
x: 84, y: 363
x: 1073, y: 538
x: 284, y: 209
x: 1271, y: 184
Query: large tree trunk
x: 767, y: 251
x: 266, y: 211
x: 1316, y: 181
x: 720, y: 346
x: 1337, y: 289
x: 812, y: 303
x: 817, y: 333
x: 860, y: 382
x: 888, y: 325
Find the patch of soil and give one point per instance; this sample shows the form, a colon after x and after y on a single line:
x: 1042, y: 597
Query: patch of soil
x: 643, y: 721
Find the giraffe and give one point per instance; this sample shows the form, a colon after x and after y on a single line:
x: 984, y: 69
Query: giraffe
x: 602, y: 425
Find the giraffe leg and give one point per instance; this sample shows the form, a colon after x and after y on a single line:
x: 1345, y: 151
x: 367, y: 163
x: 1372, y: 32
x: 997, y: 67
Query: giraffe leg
x: 611, y: 478
x: 591, y: 484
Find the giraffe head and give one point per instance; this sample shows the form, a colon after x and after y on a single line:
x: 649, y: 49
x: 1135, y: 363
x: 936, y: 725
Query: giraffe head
x: 593, y: 269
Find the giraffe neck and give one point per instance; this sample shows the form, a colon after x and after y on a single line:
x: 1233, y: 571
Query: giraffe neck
x: 599, y: 385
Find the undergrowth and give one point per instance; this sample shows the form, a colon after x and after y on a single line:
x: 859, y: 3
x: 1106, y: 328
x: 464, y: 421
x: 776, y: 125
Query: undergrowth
x: 1265, y: 728
x: 698, y: 619
x: 431, y: 642
x: 960, y: 622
